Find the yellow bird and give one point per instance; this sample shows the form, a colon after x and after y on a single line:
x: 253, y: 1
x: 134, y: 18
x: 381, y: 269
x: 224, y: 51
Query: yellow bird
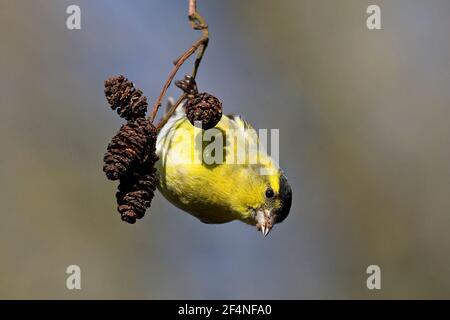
x: 255, y: 193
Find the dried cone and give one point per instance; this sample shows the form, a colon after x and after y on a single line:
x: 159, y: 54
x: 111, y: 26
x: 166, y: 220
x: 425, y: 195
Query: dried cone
x: 136, y: 191
x: 134, y: 143
x: 204, y: 108
x: 125, y: 98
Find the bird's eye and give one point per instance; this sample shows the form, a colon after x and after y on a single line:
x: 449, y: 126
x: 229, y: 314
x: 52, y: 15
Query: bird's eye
x: 269, y: 193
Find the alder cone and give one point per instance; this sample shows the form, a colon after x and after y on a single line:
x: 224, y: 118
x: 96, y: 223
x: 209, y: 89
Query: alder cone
x: 134, y: 143
x: 123, y: 97
x: 135, y: 192
x: 204, y: 108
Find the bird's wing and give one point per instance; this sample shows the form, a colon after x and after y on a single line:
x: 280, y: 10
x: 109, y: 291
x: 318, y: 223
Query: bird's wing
x: 245, y: 128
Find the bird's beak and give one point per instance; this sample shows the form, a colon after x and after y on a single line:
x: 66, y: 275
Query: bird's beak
x: 264, y: 221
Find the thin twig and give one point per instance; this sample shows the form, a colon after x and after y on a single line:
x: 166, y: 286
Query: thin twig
x: 172, y: 74
x: 171, y: 111
x: 192, y: 7
x: 197, y: 23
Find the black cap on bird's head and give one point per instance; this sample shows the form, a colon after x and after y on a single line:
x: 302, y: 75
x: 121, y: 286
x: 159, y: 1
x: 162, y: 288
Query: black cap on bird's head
x: 285, y: 195
x: 277, y: 207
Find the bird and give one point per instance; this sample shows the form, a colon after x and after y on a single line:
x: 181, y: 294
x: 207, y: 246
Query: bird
x: 217, y: 193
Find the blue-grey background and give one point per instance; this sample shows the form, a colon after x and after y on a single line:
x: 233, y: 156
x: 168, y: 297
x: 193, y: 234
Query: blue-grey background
x: 364, y: 141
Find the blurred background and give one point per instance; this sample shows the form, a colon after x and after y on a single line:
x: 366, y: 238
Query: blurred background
x: 364, y: 140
